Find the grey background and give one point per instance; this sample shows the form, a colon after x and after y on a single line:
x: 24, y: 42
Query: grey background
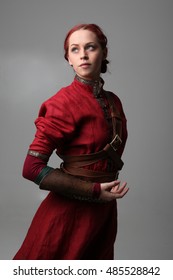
x: 32, y: 68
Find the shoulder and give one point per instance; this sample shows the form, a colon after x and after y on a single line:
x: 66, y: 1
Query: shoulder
x: 59, y: 98
x: 56, y: 103
x: 61, y: 94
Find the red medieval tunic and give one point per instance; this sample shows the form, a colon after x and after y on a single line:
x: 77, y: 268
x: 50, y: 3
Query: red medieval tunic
x: 74, y: 121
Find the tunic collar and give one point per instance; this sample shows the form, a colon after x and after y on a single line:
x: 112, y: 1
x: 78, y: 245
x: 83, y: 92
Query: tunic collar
x: 96, y: 85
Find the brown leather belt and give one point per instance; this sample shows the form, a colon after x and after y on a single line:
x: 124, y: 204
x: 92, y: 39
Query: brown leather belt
x: 74, y: 165
x: 89, y: 175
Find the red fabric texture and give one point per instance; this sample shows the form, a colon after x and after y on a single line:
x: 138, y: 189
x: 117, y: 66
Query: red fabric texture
x: 32, y: 167
x: 72, y: 122
x: 65, y: 229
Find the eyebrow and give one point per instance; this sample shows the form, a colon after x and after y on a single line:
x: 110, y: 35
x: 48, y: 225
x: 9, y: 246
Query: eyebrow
x: 85, y: 44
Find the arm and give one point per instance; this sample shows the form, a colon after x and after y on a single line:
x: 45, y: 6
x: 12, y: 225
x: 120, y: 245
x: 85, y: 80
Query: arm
x: 36, y: 170
x: 73, y: 187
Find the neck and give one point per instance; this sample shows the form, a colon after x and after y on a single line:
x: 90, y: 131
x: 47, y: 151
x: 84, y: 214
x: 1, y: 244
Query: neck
x: 86, y: 81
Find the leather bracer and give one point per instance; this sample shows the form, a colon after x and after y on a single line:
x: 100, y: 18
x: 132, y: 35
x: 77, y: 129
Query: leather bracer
x: 64, y: 184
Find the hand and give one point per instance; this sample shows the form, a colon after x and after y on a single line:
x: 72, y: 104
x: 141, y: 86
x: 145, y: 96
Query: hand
x: 112, y: 190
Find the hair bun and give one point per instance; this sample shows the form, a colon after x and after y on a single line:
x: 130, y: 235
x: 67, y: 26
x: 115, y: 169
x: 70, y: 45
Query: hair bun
x: 104, y: 66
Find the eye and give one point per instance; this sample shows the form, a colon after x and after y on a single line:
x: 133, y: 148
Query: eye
x: 74, y: 50
x: 91, y: 47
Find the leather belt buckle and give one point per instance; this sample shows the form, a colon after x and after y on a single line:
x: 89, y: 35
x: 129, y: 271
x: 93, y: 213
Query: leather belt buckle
x: 116, y: 142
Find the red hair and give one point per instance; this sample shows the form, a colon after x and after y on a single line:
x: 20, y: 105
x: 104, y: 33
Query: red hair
x: 100, y: 36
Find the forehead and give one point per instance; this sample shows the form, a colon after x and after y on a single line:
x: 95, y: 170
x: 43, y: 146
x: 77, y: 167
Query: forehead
x: 82, y: 36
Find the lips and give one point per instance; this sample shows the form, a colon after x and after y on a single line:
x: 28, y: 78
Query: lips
x: 85, y: 64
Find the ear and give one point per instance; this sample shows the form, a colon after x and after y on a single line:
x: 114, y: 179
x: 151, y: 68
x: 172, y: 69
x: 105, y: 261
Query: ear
x: 69, y: 61
x: 70, y: 64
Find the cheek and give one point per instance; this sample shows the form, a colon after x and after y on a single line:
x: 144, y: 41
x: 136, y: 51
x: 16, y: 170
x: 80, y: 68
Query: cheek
x: 98, y: 60
x: 98, y: 57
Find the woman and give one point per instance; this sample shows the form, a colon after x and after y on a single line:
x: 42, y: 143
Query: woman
x: 87, y: 127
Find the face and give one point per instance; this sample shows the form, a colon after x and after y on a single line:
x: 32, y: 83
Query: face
x: 85, y: 54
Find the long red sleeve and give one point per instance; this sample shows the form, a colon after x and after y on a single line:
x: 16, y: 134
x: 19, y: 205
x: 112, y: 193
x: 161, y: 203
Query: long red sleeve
x: 32, y: 167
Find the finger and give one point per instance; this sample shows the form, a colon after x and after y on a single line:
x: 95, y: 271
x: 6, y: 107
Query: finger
x: 119, y: 188
x: 122, y: 193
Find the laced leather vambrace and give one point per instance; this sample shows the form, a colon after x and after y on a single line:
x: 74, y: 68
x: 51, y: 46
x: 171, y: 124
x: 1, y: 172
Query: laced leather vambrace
x: 56, y: 180
x: 64, y: 184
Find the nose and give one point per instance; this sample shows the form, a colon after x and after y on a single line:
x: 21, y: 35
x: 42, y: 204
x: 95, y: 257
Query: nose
x: 83, y: 54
